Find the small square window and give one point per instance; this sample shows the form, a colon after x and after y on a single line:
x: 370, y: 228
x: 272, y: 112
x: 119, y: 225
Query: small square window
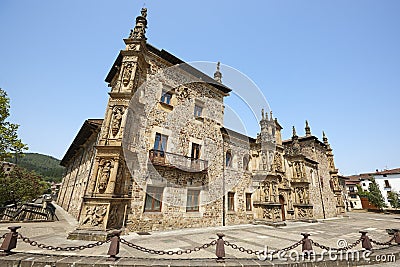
x: 198, y: 110
x: 166, y: 97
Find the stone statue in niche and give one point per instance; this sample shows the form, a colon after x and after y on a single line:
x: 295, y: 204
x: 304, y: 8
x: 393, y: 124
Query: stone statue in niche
x: 267, y: 192
x: 127, y: 73
x: 300, y: 195
x: 94, y: 215
x: 105, y: 175
x: 278, y: 162
x: 298, y: 170
x: 116, y: 121
x: 330, y: 161
x: 270, y: 160
x: 274, y: 196
x: 264, y: 162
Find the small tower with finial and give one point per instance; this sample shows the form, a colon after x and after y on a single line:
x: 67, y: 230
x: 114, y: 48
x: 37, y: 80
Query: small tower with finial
x: 324, y: 138
x: 294, y: 134
x: 329, y: 152
x: 218, y: 74
x: 296, y: 148
x: 308, y: 129
x: 139, y: 32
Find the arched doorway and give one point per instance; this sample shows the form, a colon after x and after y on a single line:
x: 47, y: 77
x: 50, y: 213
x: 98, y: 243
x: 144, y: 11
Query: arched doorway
x: 282, y: 202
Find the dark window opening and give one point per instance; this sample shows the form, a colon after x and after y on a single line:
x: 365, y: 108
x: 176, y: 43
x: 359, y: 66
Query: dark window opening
x: 248, y: 201
x: 228, y: 159
x: 153, y: 200
x: 166, y: 97
x: 231, y: 201
x: 160, y: 145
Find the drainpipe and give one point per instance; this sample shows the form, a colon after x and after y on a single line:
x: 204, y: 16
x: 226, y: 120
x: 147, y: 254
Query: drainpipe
x: 320, y: 192
x: 223, y: 181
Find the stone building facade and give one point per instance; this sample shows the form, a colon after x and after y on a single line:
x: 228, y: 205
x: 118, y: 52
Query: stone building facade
x: 162, y: 159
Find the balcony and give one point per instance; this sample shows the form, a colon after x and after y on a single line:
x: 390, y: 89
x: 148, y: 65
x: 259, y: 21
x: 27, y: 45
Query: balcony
x: 171, y: 160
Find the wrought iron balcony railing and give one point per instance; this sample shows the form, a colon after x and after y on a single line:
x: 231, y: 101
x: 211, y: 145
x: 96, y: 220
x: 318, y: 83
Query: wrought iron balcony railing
x: 188, y: 164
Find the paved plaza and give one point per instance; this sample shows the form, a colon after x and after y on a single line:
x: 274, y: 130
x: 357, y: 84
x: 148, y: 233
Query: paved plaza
x: 256, y: 237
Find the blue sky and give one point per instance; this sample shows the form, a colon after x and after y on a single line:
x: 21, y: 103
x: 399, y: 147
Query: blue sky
x: 335, y: 63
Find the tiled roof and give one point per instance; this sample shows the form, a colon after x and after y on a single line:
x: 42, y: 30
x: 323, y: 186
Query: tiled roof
x: 392, y: 171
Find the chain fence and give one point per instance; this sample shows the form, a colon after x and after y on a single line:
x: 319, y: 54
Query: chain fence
x: 167, y: 252
x: 10, y: 242
x: 55, y: 248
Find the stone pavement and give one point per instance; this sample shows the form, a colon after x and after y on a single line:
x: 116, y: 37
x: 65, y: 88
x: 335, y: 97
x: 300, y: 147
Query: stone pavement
x: 256, y: 237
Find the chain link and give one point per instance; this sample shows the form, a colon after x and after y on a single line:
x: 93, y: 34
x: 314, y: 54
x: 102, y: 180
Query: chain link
x: 169, y: 252
x: 358, y: 241
x: 71, y: 248
x: 388, y: 243
x: 257, y: 252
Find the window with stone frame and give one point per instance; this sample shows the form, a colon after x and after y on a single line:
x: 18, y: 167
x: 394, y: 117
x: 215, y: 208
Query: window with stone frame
x: 231, y: 201
x: 198, y: 110
x: 195, y: 153
x: 193, y: 197
x: 160, y: 144
x: 166, y: 97
x: 248, y: 202
x: 153, y: 201
x: 228, y: 159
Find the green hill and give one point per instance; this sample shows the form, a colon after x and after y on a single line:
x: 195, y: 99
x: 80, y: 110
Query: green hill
x: 47, y: 166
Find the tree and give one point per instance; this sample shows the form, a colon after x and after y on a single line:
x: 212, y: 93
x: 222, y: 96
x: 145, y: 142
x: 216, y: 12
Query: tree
x: 9, y: 141
x: 20, y: 186
x: 394, y: 199
x: 375, y: 196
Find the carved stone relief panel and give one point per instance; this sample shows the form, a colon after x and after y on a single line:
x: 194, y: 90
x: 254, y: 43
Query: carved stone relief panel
x: 94, y: 215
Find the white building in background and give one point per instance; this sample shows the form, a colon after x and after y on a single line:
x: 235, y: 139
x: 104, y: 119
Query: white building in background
x: 353, y: 200
x: 388, y: 181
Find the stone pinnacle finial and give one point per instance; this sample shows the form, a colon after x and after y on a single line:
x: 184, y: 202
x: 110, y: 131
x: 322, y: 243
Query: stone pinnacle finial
x: 218, y: 74
x: 324, y: 138
x: 270, y: 113
x: 308, y: 129
x: 144, y: 12
x: 262, y: 114
x: 139, y: 32
x: 294, y: 132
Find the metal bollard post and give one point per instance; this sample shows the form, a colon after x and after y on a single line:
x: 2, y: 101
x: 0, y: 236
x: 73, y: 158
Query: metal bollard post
x: 113, y: 250
x: 10, y: 241
x: 220, y: 249
x: 396, y: 236
x: 366, y: 243
x: 306, y: 247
